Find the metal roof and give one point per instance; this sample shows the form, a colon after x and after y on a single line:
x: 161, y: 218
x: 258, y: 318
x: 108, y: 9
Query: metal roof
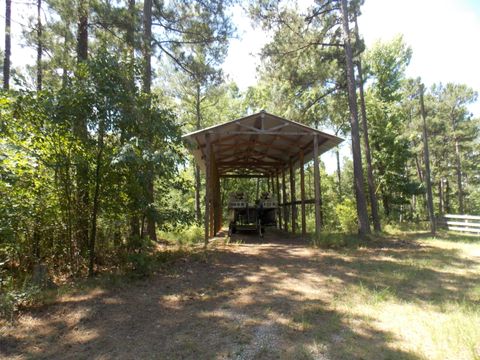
x: 258, y: 144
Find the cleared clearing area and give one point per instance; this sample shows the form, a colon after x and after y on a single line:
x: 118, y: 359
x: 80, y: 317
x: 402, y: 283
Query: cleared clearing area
x: 399, y: 297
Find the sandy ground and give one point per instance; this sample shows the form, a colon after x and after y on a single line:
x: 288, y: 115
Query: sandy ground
x: 246, y: 300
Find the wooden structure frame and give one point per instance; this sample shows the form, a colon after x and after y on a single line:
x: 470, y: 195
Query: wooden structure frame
x: 261, y: 145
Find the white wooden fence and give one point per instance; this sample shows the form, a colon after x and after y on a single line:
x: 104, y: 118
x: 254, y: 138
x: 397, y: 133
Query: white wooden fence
x: 462, y: 223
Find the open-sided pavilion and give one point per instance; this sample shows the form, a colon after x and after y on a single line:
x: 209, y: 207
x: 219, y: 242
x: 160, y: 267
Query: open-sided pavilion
x: 261, y: 145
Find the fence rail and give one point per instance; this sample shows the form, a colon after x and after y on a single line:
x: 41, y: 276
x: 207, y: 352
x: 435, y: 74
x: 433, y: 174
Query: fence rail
x: 463, y: 223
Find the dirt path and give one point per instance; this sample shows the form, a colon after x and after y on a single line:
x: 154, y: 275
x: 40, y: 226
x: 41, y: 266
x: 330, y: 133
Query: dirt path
x: 250, y: 300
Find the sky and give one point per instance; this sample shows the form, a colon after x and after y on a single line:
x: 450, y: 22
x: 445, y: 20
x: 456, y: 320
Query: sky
x: 443, y: 34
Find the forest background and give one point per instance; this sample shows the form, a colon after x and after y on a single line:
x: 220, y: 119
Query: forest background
x: 93, y: 170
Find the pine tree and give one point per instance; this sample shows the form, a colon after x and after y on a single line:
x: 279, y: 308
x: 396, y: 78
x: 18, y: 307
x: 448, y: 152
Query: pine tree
x: 6, y: 61
x: 364, y: 227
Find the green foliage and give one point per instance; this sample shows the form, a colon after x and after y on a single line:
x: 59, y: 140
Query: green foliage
x: 78, y: 159
x: 347, y: 216
x: 13, y: 298
x: 38, y: 169
x: 141, y: 263
x: 386, y: 64
x: 193, y: 234
x: 388, y: 120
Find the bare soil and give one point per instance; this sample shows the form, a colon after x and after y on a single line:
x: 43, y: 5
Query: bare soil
x: 269, y: 299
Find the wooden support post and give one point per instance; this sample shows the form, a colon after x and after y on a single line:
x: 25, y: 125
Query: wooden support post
x: 220, y: 203
x: 302, y: 196
x: 216, y: 201
x: 271, y: 187
x: 316, y: 180
x: 279, y: 202
x: 320, y: 196
x: 212, y: 218
x: 284, y: 198
x: 293, y: 198
x: 207, y: 187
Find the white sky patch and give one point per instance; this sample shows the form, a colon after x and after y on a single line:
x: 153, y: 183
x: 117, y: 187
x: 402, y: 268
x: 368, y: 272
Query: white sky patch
x: 443, y: 35
x: 243, y: 53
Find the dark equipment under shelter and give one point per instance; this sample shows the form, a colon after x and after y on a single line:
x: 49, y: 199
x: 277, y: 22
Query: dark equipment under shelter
x: 261, y: 145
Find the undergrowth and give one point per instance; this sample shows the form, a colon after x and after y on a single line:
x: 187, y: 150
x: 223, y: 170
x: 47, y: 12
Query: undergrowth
x: 188, y: 236
x: 16, y: 296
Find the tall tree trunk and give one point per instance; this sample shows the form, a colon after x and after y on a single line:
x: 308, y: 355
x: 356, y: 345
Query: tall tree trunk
x: 383, y: 189
x: 447, y: 197
x: 419, y: 169
x: 130, y: 35
x: 82, y: 35
x: 364, y: 227
x: 421, y: 177
x: 39, y: 45
x: 198, y: 205
x: 431, y: 213
x: 69, y: 214
x: 441, y: 207
x: 386, y: 204
x: 130, y: 42
x: 368, y: 156
x: 65, y: 55
x: 81, y: 133
x: 339, y: 173
x: 147, y: 46
x: 371, y: 182
x: 320, y: 197
x: 147, y: 89
x: 458, y: 170
x: 96, y: 200
x: 6, y: 61
x: 198, y: 211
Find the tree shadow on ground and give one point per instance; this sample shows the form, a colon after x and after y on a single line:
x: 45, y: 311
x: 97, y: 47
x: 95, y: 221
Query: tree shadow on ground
x: 250, y: 300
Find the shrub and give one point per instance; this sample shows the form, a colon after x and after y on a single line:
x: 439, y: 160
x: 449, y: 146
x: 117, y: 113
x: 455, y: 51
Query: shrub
x: 139, y: 256
x: 142, y: 264
x: 347, y: 216
x: 190, y: 235
x: 11, y: 300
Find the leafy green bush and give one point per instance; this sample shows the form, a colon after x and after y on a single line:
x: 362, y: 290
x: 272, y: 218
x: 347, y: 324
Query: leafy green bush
x: 141, y: 264
x: 7, y: 305
x: 11, y: 300
x: 190, y: 235
x: 139, y: 256
x: 347, y: 216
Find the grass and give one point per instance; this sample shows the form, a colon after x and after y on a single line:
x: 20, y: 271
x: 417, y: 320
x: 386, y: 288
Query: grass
x: 425, y: 295
x: 399, y: 295
x: 419, y: 295
x: 335, y: 240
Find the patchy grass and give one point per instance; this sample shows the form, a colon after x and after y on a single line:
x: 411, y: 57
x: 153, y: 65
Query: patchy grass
x: 396, y: 296
x: 329, y: 240
x: 427, y: 299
